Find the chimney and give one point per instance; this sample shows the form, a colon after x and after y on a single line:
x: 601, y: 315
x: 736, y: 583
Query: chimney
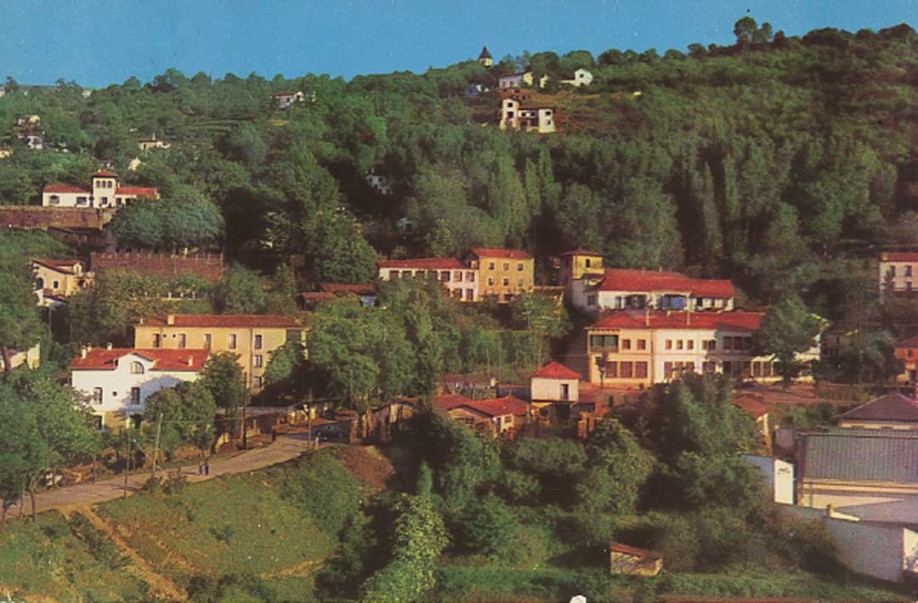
x: 170, y: 319
x: 830, y: 510
x: 108, y: 345
x: 191, y: 361
x: 141, y: 320
x: 83, y: 352
x: 646, y: 317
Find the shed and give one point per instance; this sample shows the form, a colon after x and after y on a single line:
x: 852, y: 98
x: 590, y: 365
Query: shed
x: 632, y: 561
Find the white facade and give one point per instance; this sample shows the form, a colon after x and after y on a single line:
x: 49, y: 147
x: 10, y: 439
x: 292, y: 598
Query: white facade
x: 779, y: 476
x: 120, y: 389
x: 554, y: 390
x: 582, y: 77
x: 460, y: 281
x: 514, y: 116
x: 105, y: 191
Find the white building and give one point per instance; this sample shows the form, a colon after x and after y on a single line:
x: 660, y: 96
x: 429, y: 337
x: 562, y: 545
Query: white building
x: 779, y: 477
x: 117, y: 382
x: 104, y: 191
x: 898, y: 272
x: 461, y: 281
x: 285, y: 100
x: 582, y: 77
x: 552, y: 383
x: 621, y: 289
x: 30, y: 358
x: 515, y: 116
x: 152, y: 143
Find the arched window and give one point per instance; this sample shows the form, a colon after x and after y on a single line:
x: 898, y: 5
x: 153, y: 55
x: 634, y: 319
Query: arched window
x: 136, y: 368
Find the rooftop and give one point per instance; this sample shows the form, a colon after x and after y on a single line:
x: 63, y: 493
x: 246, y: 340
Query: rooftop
x: 892, y: 407
x: 752, y: 404
x: 900, y: 256
x: 556, y: 370
x: 617, y: 279
x: 860, y: 455
x: 242, y: 321
x: 59, y: 265
x: 634, y: 551
x: 911, y: 342
x: 449, y: 401
x: 580, y: 251
x: 423, y: 264
x: 660, y: 319
x: 163, y: 360
x: 498, y: 407
x: 208, y: 267
x: 510, y: 254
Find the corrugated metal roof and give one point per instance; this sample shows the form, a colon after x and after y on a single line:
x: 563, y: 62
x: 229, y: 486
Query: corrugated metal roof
x: 861, y: 455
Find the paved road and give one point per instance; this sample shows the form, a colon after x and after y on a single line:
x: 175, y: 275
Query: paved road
x: 287, y: 447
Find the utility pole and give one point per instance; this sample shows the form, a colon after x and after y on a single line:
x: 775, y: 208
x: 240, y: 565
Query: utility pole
x: 159, y: 425
x: 128, y: 468
x: 245, y: 439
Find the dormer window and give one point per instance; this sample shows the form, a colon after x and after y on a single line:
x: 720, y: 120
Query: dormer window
x: 137, y: 368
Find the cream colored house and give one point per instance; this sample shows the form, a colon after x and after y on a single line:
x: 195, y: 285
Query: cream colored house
x: 55, y: 279
x: 554, y: 383
x: 30, y: 358
x: 252, y: 337
x: 577, y: 263
x: 898, y: 272
x: 152, y: 143
x: 104, y: 191
x: 623, y: 289
x: 460, y: 280
x: 514, y: 115
x: 115, y: 383
x: 504, y: 273
x: 514, y: 80
x: 582, y: 77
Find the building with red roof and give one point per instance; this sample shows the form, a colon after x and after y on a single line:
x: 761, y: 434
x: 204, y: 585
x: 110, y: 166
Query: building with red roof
x: 58, y: 279
x: 104, y: 191
x: 639, y: 348
x: 577, y: 263
x: 898, y: 272
x: 621, y: 289
x: 554, y: 383
x: 116, y: 382
x: 504, y: 273
x: 251, y: 336
x: 906, y: 350
x: 500, y: 416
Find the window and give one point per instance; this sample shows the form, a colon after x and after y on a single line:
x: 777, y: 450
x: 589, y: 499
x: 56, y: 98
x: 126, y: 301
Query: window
x: 565, y: 391
x: 393, y: 274
x: 604, y: 341
x: 457, y: 277
x: 586, y: 262
x: 626, y: 344
x: 678, y: 344
x: 640, y: 370
x: 208, y: 339
x: 908, y: 271
x: 642, y: 344
x: 611, y: 370
x: 444, y: 276
x: 258, y: 342
x: 470, y: 277
x: 667, y: 370
x: 626, y: 369
x: 256, y: 382
x: 490, y: 265
x: 690, y: 344
x: 669, y: 344
x: 259, y: 360
x: 506, y: 266
x: 181, y: 341
x: 490, y: 281
x: 157, y: 340
x: 709, y: 366
x: 519, y: 267
x: 231, y: 341
x: 469, y: 295
x: 591, y: 299
x: 728, y: 343
x: 136, y: 368
x: 56, y: 285
x: 506, y: 282
x: 135, y: 396
x: 97, y: 395
x: 55, y: 200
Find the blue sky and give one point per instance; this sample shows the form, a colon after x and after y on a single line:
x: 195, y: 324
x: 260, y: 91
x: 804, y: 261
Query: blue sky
x: 99, y: 42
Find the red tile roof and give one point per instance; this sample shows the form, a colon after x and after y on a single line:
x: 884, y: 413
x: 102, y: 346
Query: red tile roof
x: 65, y: 188
x: 617, y: 279
x: 163, y: 360
x: 423, y: 264
x: 509, y: 254
x: 911, y: 342
x: 902, y: 256
x: 242, y: 321
x: 580, y: 251
x: 891, y: 407
x: 139, y: 191
x: 449, y: 401
x: 59, y: 265
x: 355, y: 289
x: 104, y: 174
x: 498, y: 407
x: 634, y: 551
x: 659, y: 319
x: 556, y: 370
x: 751, y: 404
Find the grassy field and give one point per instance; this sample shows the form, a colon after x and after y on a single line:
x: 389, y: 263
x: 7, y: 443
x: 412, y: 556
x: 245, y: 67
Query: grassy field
x: 54, y: 560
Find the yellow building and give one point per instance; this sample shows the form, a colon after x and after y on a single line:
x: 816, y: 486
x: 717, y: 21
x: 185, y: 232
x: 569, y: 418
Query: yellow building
x: 576, y: 263
x: 485, y: 59
x: 503, y: 273
x: 59, y: 278
x: 252, y: 337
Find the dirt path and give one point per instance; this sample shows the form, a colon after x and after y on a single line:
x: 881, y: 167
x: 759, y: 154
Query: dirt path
x: 161, y: 587
x: 287, y: 447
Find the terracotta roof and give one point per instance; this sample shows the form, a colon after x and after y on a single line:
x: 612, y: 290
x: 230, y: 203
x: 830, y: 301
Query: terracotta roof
x: 901, y: 256
x: 751, y: 404
x: 580, y: 251
x: 139, y: 191
x: 449, y: 401
x: 209, y: 267
x: 556, y: 370
x: 911, y: 342
x: 484, y: 53
x: 59, y: 265
x: 242, y: 321
x: 104, y: 174
x: 423, y: 264
x: 510, y: 254
x: 65, y: 188
x: 634, y: 551
x: 891, y: 407
x: 355, y: 289
x: 617, y: 279
x: 163, y: 360
x: 659, y: 319
x: 498, y: 407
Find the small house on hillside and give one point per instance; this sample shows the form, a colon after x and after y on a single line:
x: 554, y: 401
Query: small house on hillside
x: 554, y: 383
x: 906, y: 350
x: 892, y: 411
x: 485, y: 59
x: 57, y: 279
x: 514, y: 80
x: 582, y: 77
x: 152, y: 143
x: 285, y: 100
x: 498, y: 416
x: 632, y: 561
x: 513, y: 115
x: 105, y: 190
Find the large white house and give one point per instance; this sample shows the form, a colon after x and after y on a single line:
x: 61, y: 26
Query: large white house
x: 620, y: 289
x: 116, y: 382
x: 104, y: 191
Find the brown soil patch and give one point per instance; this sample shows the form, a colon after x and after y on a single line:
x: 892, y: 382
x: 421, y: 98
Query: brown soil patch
x: 367, y: 464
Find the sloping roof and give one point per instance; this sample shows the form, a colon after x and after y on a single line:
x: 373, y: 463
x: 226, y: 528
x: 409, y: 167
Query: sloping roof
x: 618, y: 279
x: 659, y: 319
x: 484, y: 53
x: 58, y: 265
x: 634, y: 551
x: 510, y: 254
x: 208, y: 267
x: 449, y: 401
x: 751, y: 404
x: 140, y: 191
x: 163, y: 360
x: 556, y: 370
x: 355, y: 289
x: 911, y: 342
x: 902, y: 256
x: 242, y: 321
x: 104, y: 174
x: 423, y: 264
x: 65, y: 188
x: 580, y: 251
x: 860, y: 455
x: 498, y: 407
x: 891, y: 407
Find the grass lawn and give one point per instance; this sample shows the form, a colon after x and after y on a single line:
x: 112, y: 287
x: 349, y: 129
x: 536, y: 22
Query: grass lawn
x: 50, y: 560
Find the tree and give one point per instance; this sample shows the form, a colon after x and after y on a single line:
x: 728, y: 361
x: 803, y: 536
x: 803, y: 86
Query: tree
x: 240, y: 292
x: 339, y: 252
x: 19, y: 326
x: 787, y: 329
x: 117, y: 300
x: 223, y: 378
x: 617, y: 469
x: 187, y: 415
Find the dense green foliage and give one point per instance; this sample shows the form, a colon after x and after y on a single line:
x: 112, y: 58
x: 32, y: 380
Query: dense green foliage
x: 183, y: 414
